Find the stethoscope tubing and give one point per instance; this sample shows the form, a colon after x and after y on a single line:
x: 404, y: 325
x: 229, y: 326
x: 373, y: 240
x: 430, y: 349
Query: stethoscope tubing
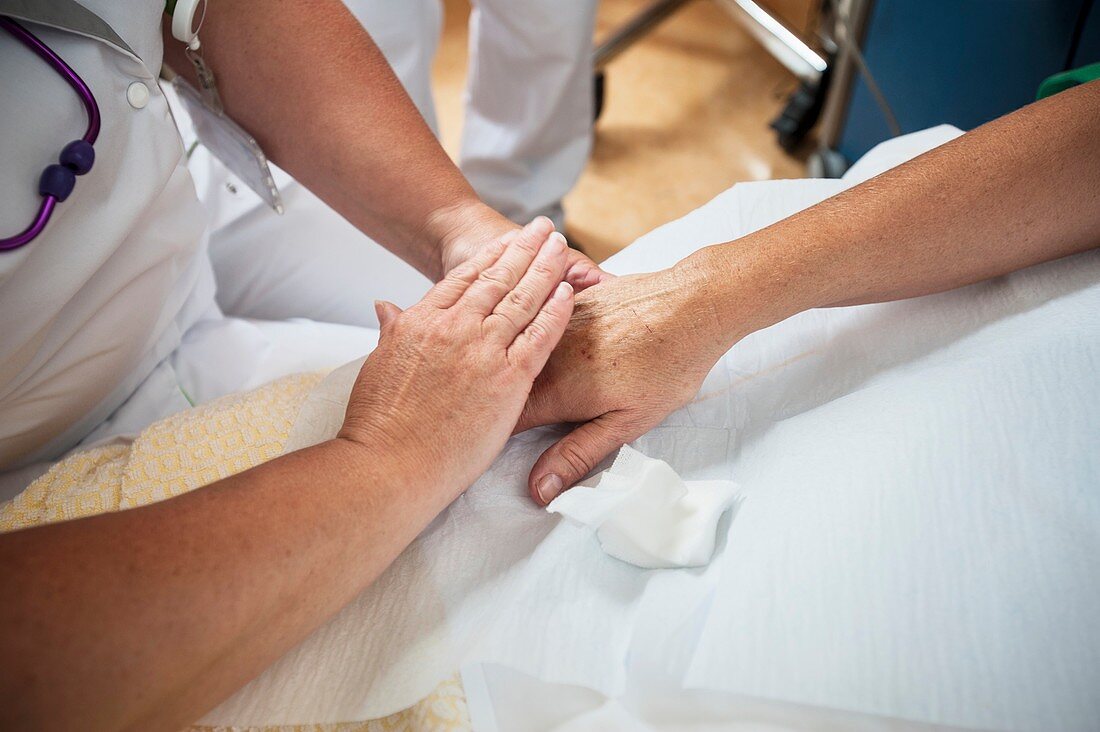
x: 58, y: 64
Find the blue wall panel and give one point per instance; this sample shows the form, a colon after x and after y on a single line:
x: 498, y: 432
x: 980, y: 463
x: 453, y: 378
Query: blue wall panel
x: 1088, y: 51
x: 964, y: 62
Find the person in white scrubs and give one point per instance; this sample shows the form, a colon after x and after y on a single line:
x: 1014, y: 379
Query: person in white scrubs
x: 146, y: 618
x: 529, y: 97
x: 110, y: 323
x: 56, y: 336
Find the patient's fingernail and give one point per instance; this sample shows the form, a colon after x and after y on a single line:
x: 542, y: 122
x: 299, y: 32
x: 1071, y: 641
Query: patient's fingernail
x: 548, y: 487
x: 563, y: 291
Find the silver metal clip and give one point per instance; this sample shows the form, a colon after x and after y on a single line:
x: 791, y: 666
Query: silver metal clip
x: 207, y: 81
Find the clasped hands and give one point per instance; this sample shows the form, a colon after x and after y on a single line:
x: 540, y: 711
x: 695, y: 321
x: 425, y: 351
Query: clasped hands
x: 501, y: 344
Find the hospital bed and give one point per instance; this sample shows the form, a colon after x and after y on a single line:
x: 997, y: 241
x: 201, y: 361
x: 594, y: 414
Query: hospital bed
x: 916, y: 548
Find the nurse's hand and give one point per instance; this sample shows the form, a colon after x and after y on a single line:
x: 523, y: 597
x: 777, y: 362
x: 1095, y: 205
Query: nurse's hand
x: 637, y: 348
x: 463, y: 232
x: 442, y: 392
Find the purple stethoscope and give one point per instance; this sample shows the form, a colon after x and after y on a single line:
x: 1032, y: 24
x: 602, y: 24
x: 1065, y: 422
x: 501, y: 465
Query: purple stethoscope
x: 57, y: 180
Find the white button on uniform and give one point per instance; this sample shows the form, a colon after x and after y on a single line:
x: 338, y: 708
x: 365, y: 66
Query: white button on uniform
x: 137, y: 94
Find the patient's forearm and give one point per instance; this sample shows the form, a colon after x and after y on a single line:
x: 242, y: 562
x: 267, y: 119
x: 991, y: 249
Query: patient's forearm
x: 1018, y: 191
x: 310, y: 84
x: 145, y: 619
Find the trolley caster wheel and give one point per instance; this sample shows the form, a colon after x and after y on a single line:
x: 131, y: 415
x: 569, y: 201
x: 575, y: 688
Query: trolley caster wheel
x: 801, y: 112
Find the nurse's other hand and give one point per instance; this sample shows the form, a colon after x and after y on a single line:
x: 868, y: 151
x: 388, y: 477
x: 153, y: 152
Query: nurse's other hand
x: 471, y: 228
x: 437, y: 399
x: 637, y: 348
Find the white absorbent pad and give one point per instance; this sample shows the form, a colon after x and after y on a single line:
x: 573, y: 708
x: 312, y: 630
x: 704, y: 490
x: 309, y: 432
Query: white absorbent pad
x: 645, y: 514
x: 919, y: 537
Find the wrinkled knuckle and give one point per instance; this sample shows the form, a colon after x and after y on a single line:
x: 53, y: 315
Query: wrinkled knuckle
x: 499, y: 321
x: 462, y: 273
x: 527, y: 241
x: 521, y: 299
x: 495, y: 275
x: 570, y: 452
x: 545, y: 269
x: 538, y: 333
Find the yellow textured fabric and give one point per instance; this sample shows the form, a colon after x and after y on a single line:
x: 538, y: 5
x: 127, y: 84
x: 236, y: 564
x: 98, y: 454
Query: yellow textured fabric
x: 186, y: 451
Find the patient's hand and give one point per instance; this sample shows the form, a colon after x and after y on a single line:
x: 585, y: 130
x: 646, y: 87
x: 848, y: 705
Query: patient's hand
x: 636, y: 349
x: 436, y: 400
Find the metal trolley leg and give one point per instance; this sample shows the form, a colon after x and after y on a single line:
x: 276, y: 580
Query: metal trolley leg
x: 774, y: 35
x: 779, y: 40
x: 634, y: 30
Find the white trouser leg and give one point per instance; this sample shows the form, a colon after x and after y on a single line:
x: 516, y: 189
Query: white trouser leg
x: 528, y: 126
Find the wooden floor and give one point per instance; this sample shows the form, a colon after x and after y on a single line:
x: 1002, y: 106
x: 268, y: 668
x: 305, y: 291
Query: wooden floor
x: 686, y: 117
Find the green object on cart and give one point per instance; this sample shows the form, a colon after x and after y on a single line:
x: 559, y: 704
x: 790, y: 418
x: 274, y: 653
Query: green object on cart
x: 1067, y: 80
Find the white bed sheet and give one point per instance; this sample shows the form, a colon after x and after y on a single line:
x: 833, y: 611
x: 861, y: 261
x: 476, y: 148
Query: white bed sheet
x: 918, y: 544
x: 919, y: 541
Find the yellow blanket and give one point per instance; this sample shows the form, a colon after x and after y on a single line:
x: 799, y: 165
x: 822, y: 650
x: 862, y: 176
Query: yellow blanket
x: 186, y: 451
